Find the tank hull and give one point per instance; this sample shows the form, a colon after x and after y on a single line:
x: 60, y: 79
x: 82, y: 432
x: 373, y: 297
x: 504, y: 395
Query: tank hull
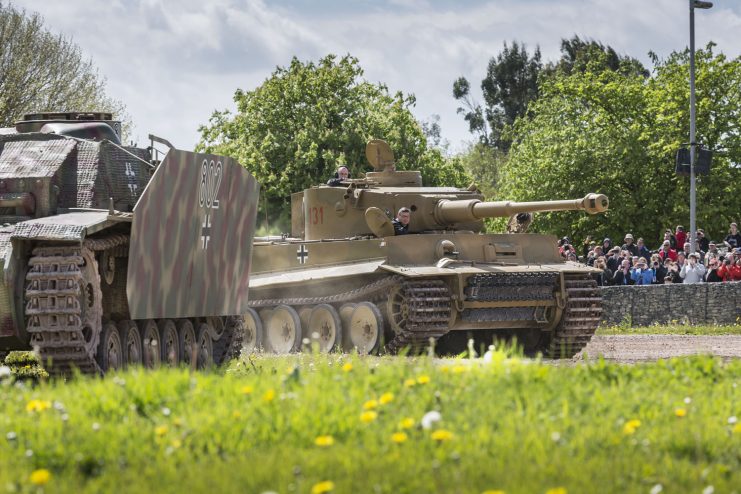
x: 486, y: 282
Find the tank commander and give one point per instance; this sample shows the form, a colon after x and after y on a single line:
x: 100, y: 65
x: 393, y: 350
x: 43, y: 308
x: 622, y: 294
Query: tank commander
x: 342, y: 174
x: 401, y: 222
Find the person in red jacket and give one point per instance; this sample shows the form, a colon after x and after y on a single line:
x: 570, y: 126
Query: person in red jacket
x: 667, y: 251
x: 681, y: 236
x: 730, y: 269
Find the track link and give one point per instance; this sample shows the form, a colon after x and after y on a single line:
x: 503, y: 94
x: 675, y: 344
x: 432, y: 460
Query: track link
x: 580, y: 319
x: 57, y: 300
x: 429, y: 313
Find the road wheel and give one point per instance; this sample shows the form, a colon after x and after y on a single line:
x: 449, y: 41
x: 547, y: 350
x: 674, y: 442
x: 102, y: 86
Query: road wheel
x: 110, y: 350
x: 205, y: 354
x: 131, y: 343
x: 365, y: 328
x: 187, y: 342
x: 170, y: 342
x: 325, y: 327
x: 253, y: 332
x: 283, y: 330
x: 151, y: 353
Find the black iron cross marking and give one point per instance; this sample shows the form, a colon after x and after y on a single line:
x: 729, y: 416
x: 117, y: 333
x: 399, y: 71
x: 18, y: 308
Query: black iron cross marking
x: 302, y: 254
x: 206, y: 230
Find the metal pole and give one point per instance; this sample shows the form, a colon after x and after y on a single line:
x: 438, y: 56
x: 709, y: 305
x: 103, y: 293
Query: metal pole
x: 693, y: 151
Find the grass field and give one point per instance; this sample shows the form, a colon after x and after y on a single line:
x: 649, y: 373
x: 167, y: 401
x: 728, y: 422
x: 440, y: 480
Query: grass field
x: 316, y: 423
x: 703, y: 329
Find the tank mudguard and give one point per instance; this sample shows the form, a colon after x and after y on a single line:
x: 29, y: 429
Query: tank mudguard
x: 191, y: 239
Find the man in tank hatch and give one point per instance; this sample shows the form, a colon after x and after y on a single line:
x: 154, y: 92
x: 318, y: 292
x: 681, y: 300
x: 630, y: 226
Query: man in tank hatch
x: 401, y: 222
x: 343, y: 173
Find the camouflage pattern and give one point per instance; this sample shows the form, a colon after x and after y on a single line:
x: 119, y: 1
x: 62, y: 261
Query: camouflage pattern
x: 195, y: 259
x: 441, y: 279
x: 98, y: 240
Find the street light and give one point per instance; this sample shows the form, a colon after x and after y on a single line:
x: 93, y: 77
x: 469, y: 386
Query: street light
x: 694, y: 4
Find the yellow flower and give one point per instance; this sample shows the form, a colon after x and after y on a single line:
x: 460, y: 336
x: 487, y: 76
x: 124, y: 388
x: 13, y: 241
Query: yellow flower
x: 236, y: 414
x: 247, y: 390
x: 442, y: 435
x: 160, y: 430
x: 386, y: 398
x: 322, y: 487
x: 556, y: 490
x: 367, y: 417
x: 445, y: 369
x: 324, y: 441
x: 37, y: 405
x: 406, y: 423
x: 399, y: 437
x: 680, y: 412
x: 370, y: 405
x: 423, y: 379
x: 268, y: 396
x: 493, y: 491
x: 347, y: 367
x: 631, y: 426
x: 40, y: 476
x: 737, y: 428
x: 460, y: 369
x: 176, y: 443
x: 177, y: 422
x: 408, y: 383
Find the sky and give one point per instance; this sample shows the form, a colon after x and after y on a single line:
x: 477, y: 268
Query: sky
x: 174, y: 62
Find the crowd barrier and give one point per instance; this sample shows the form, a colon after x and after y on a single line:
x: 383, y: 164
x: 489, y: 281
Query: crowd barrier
x: 697, y: 303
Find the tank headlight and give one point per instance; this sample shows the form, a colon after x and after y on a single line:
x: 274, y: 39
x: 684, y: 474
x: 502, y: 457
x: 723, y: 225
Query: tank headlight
x: 446, y: 248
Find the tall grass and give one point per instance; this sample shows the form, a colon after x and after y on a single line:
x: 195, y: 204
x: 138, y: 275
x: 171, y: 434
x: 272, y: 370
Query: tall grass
x: 315, y: 423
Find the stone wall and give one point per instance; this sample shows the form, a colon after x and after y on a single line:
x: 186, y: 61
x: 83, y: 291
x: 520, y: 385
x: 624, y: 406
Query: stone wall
x: 700, y: 303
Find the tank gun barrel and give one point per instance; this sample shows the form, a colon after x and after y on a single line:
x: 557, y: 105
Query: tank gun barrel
x: 452, y: 211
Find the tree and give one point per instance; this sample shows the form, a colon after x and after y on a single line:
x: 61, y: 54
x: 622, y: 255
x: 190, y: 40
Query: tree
x: 579, y: 55
x: 511, y: 82
x: 305, y: 120
x: 617, y: 133
x: 41, y: 71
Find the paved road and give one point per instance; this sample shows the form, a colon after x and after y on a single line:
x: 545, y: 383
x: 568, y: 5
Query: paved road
x: 644, y: 348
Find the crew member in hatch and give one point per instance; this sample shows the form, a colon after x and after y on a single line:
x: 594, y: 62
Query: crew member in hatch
x: 401, y: 222
x: 343, y: 173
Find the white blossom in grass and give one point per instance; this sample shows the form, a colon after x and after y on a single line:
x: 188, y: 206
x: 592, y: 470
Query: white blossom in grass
x: 708, y: 490
x: 656, y: 489
x: 29, y: 453
x: 429, y: 419
x: 96, y: 426
x: 555, y: 436
x: 687, y: 400
x: 732, y: 420
x: 166, y: 411
x: 11, y: 436
x: 4, y: 371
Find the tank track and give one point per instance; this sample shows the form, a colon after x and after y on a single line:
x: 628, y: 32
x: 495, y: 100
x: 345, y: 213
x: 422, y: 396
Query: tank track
x: 429, y: 314
x: 580, y: 319
x: 54, y: 309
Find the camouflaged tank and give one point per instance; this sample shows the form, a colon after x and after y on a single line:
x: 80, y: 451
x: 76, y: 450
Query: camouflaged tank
x: 111, y: 257
x: 346, y: 281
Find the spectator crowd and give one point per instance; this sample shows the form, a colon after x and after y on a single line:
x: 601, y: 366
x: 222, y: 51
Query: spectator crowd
x: 634, y: 263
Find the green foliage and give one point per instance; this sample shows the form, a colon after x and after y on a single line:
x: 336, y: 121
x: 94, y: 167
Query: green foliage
x: 307, y: 119
x: 616, y: 133
x: 483, y: 162
x: 676, y: 328
x: 511, y: 82
x: 42, y: 71
x: 595, y: 427
x: 578, y: 55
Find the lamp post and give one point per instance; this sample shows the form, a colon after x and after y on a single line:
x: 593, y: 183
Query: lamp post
x: 694, y: 4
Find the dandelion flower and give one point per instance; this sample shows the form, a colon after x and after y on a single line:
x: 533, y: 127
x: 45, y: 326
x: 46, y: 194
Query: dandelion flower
x: 445, y: 369
x: 370, y: 405
x: 737, y: 428
x: 430, y: 418
x: 236, y: 414
x: 424, y: 379
x: 442, y: 435
x: 406, y: 423
x: 680, y: 412
x: 177, y: 443
x: 399, y: 437
x: 247, y: 390
x: 324, y: 441
x: 40, y: 476
x: 268, y: 396
x: 322, y: 487
x: 408, y: 383
x: 460, y: 369
x: 367, y: 417
x: 556, y: 490
x: 38, y: 405
x: 631, y: 426
x: 493, y: 491
x: 160, y: 430
x: 347, y: 367
x: 386, y: 398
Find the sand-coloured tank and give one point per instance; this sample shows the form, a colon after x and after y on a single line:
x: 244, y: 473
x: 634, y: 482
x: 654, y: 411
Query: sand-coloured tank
x: 114, y: 257
x: 346, y: 281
